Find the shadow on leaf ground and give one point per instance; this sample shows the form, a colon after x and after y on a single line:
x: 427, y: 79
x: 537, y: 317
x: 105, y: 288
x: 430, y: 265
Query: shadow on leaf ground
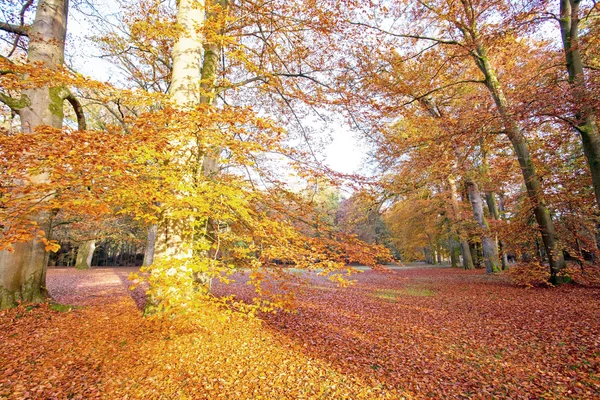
x: 453, y: 334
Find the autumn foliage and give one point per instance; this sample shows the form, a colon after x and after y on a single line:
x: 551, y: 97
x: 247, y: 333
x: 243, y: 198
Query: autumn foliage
x: 479, y: 121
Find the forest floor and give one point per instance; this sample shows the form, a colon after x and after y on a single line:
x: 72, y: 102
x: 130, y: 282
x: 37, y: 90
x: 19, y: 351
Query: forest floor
x: 406, y: 333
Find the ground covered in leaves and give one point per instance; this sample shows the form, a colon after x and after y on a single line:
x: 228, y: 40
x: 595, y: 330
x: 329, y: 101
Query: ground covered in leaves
x: 411, y: 333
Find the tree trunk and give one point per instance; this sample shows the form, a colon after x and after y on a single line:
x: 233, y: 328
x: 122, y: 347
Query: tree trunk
x: 467, y: 257
x: 454, y: 252
x: 195, y: 65
x: 187, y: 54
x: 150, y: 243
x: 490, y: 199
x: 464, y: 243
x: 519, y: 143
x: 174, y: 236
x: 586, y: 122
x: 490, y: 251
x: 429, y: 255
x: 23, y: 271
x: 475, y: 254
x: 85, y: 252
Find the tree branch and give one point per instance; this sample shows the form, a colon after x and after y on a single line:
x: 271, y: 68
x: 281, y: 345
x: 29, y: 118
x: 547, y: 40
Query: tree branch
x: 419, y: 37
x: 78, y: 108
x: 22, y: 20
x: 265, y: 79
x: 417, y: 98
x: 16, y: 105
x: 16, y: 29
x: 242, y: 83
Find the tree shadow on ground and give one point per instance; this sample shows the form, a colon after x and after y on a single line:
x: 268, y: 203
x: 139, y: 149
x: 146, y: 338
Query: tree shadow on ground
x: 445, y: 333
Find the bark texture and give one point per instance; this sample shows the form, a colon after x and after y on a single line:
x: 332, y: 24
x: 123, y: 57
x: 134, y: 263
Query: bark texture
x: 150, y: 243
x: 23, y: 271
x: 85, y: 252
x: 467, y: 258
x: 490, y: 251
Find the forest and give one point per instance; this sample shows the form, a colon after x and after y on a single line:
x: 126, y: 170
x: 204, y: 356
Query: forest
x: 171, y: 225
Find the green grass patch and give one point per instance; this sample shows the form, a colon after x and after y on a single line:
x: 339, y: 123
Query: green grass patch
x: 394, y: 294
x: 60, y: 307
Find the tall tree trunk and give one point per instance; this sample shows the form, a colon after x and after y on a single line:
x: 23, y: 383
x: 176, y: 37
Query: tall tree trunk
x: 85, y: 252
x: 464, y: 243
x: 175, y: 235
x: 473, y: 248
x: 454, y: 252
x: 490, y: 199
x: 150, y: 243
x: 195, y: 65
x: 23, y: 271
x: 490, y: 251
x: 587, y: 125
x: 429, y: 255
x: 519, y: 143
x: 210, y: 166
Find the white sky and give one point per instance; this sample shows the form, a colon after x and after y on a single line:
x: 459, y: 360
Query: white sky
x: 344, y: 154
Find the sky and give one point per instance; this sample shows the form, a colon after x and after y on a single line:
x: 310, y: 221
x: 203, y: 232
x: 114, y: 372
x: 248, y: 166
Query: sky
x: 344, y: 154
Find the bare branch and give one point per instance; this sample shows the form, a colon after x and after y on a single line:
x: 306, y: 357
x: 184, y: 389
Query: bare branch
x: 304, y: 133
x: 242, y: 83
x: 419, y: 37
x: 16, y: 29
x: 437, y: 89
x: 26, y: 6
x: 265, y: 79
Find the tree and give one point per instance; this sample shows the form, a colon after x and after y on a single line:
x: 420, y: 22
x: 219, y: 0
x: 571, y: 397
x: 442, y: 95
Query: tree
x: 467, y: 33
x: 361, y: 215
x: 585, y: 113
x: 415, y: 224
x: 214, y: 215
x: 23, y: 265
x: 490, y: 249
